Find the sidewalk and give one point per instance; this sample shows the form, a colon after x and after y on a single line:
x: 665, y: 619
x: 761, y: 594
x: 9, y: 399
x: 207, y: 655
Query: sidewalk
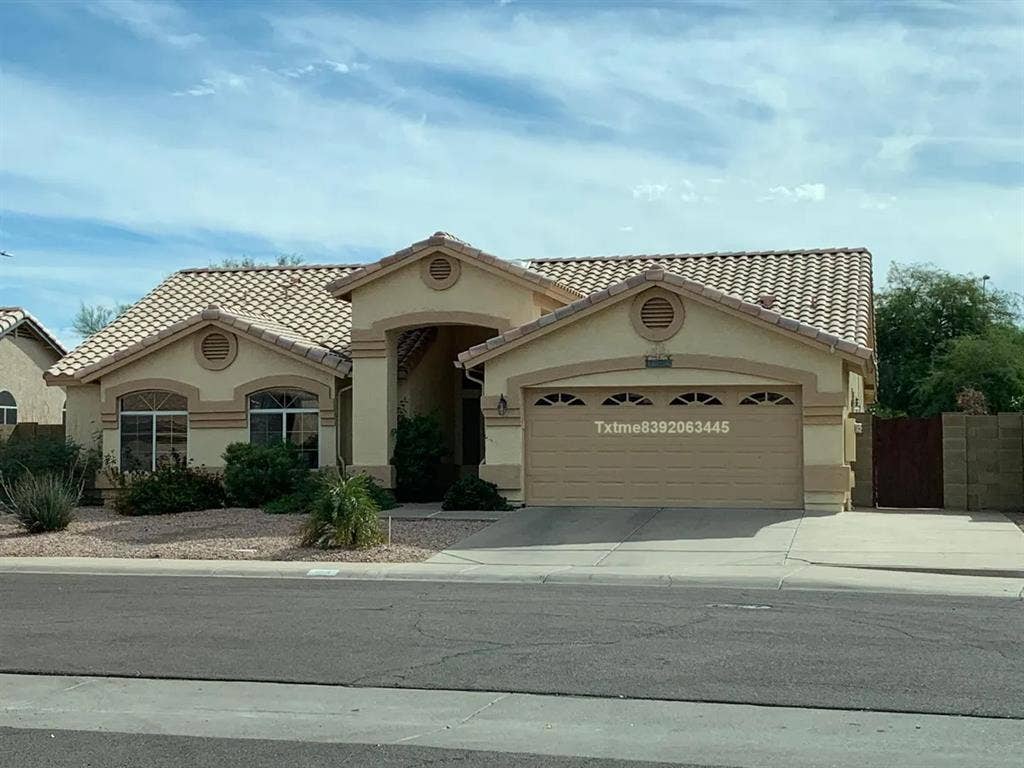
x: 788, y: 576
x: 517, y: 723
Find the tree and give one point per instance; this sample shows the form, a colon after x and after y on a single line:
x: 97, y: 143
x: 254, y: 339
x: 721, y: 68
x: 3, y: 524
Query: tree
x: 991, y: 363
x: 917, y: 315
x: 282, y: 260
x: 91, y: 318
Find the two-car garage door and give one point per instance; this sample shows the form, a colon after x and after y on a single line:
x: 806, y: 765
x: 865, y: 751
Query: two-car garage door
x: 686, y: 447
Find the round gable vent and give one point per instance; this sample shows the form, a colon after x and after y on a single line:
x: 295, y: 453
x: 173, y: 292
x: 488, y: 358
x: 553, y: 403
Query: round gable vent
x: 216, y: 350
x: 657, y: 314
x: 439, y: 271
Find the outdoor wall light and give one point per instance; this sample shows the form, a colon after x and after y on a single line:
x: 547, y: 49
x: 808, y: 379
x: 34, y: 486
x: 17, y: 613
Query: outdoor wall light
x: 502, y: 405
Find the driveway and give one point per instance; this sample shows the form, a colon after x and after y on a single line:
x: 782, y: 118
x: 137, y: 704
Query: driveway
x: 665, y: 539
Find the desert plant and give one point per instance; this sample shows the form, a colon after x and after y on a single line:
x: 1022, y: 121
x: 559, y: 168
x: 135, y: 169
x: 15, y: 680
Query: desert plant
x: 173, y: 487
x: 257, y: 474
x: 43, y: 501
x: 471, y: 492
x: 344, y: 514
x: 419, y: 448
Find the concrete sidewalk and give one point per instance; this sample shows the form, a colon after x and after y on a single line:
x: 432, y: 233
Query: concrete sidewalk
x: 784, y: 577
x: 739, y: 735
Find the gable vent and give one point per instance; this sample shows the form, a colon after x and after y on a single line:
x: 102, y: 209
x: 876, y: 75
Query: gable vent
x: 216, y: 347
x: 657, y: 313
x: 439, y: 269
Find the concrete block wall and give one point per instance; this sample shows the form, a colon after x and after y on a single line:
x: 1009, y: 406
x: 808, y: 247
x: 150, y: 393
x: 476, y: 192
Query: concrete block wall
x: 863, y: 466
x: 983, y: 461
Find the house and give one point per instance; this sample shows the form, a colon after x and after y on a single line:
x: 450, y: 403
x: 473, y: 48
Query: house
x: 717, y: 379
x: 27, y: 349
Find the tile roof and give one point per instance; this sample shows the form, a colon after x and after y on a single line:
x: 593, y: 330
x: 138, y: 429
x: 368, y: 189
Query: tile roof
x: 342, y: 286
x: 828, y: 288
x: 293, y: 297
x: 16, y: 317
x: 255, y: 326
x: 607, y: 294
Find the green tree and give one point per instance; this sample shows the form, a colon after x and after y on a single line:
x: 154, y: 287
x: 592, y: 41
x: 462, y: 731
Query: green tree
x: 917, y: 315
x: 991, y: 363
x: 91, y: 318
x: 282, y: 260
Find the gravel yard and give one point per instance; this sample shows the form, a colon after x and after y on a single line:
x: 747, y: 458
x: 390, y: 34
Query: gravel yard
x: 219, y: 534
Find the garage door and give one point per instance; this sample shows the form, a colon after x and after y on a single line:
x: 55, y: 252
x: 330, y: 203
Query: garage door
x: 692, y: 447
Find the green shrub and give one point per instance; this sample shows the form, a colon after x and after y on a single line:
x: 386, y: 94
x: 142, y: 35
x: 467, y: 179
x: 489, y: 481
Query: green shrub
x: 42, y: 455
x: 172, y: 487
x: 419, y: 448
x: 299, y: 501
x: 344, y: 514
x: 384, y: 498
x: 256, y: 474
x: 473, y: 493
x: 43, y: 501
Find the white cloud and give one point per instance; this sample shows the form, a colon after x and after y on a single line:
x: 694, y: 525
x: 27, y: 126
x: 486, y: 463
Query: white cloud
x: 163, y: 22
x: 650, y: 192
x: 211, y: 85
x: 338, y: 67
x: 801, y: 192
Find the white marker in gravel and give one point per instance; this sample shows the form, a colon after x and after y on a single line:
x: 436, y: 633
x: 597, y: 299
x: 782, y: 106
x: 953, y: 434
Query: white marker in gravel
x: 322, y: 572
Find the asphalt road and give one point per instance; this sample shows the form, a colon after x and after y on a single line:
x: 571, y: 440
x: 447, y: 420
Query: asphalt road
x: 815, y: 649
x: 30, y: 748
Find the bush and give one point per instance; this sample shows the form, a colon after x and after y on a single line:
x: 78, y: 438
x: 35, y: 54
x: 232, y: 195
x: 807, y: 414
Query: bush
x: 257, y: 474
x: 42, y: 501
x: 172, y: 487
x: 299, y: 501
x: 473, y: 493
x: 45, y: 455
x: 419, y: 448
x: 344, y: 514
x: 384, y: 498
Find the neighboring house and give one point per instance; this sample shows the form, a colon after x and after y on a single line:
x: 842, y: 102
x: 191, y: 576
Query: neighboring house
x: 721, y: 379
x: 27, y: 349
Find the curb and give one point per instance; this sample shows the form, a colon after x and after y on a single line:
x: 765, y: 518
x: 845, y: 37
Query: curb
x: 775, y: 578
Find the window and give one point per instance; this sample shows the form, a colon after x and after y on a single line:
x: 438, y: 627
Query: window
x: 695, y: 398
x: 627, y: 398
x: 560, y: 398
x: 154, y: 429
x: 8, y: 409
x: 765, y: 398
x: 286, y: 415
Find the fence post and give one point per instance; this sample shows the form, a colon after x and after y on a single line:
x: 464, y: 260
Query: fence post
x: 954, y: 461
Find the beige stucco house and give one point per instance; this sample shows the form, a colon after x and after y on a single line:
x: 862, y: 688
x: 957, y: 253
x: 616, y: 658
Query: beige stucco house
x: 722, y: 379
x: 27, y: 350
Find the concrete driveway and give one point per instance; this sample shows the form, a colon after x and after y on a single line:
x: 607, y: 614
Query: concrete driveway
x: 666, y: 539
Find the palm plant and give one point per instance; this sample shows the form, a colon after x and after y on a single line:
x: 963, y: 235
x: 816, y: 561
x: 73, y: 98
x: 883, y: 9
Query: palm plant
x: 343, y: 514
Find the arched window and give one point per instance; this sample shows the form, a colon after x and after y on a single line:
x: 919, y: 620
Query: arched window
x: 279, y: 415
x: 8, y: 409
x: 560, y: 398
x: 154, y: 429
x: 765, y: 398
x: 695, y: 398
x: 627, y: 398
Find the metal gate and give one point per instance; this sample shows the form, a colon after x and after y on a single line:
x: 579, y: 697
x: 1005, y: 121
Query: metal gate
x: 908, y: 462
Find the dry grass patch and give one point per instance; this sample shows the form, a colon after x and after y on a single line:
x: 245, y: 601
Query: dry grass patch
x: 220, y: 534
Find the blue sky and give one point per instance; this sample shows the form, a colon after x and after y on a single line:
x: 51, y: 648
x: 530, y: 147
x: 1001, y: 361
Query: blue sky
x: 138, y: 138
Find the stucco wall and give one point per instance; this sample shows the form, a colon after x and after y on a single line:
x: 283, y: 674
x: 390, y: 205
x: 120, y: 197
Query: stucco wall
x: 708, y: 332
x: 476, y: 291
x: 217, y: 400
x: 22, y: 363
x: 83, y: 425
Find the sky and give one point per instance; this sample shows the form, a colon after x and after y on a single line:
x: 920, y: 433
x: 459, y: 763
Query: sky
x: 137, y: 138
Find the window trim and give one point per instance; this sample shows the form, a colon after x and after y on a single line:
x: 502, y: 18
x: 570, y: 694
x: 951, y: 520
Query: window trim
x: 558, y: 399
x: 779, y: 399
x: 714, y: 400
x: 643, y: 400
